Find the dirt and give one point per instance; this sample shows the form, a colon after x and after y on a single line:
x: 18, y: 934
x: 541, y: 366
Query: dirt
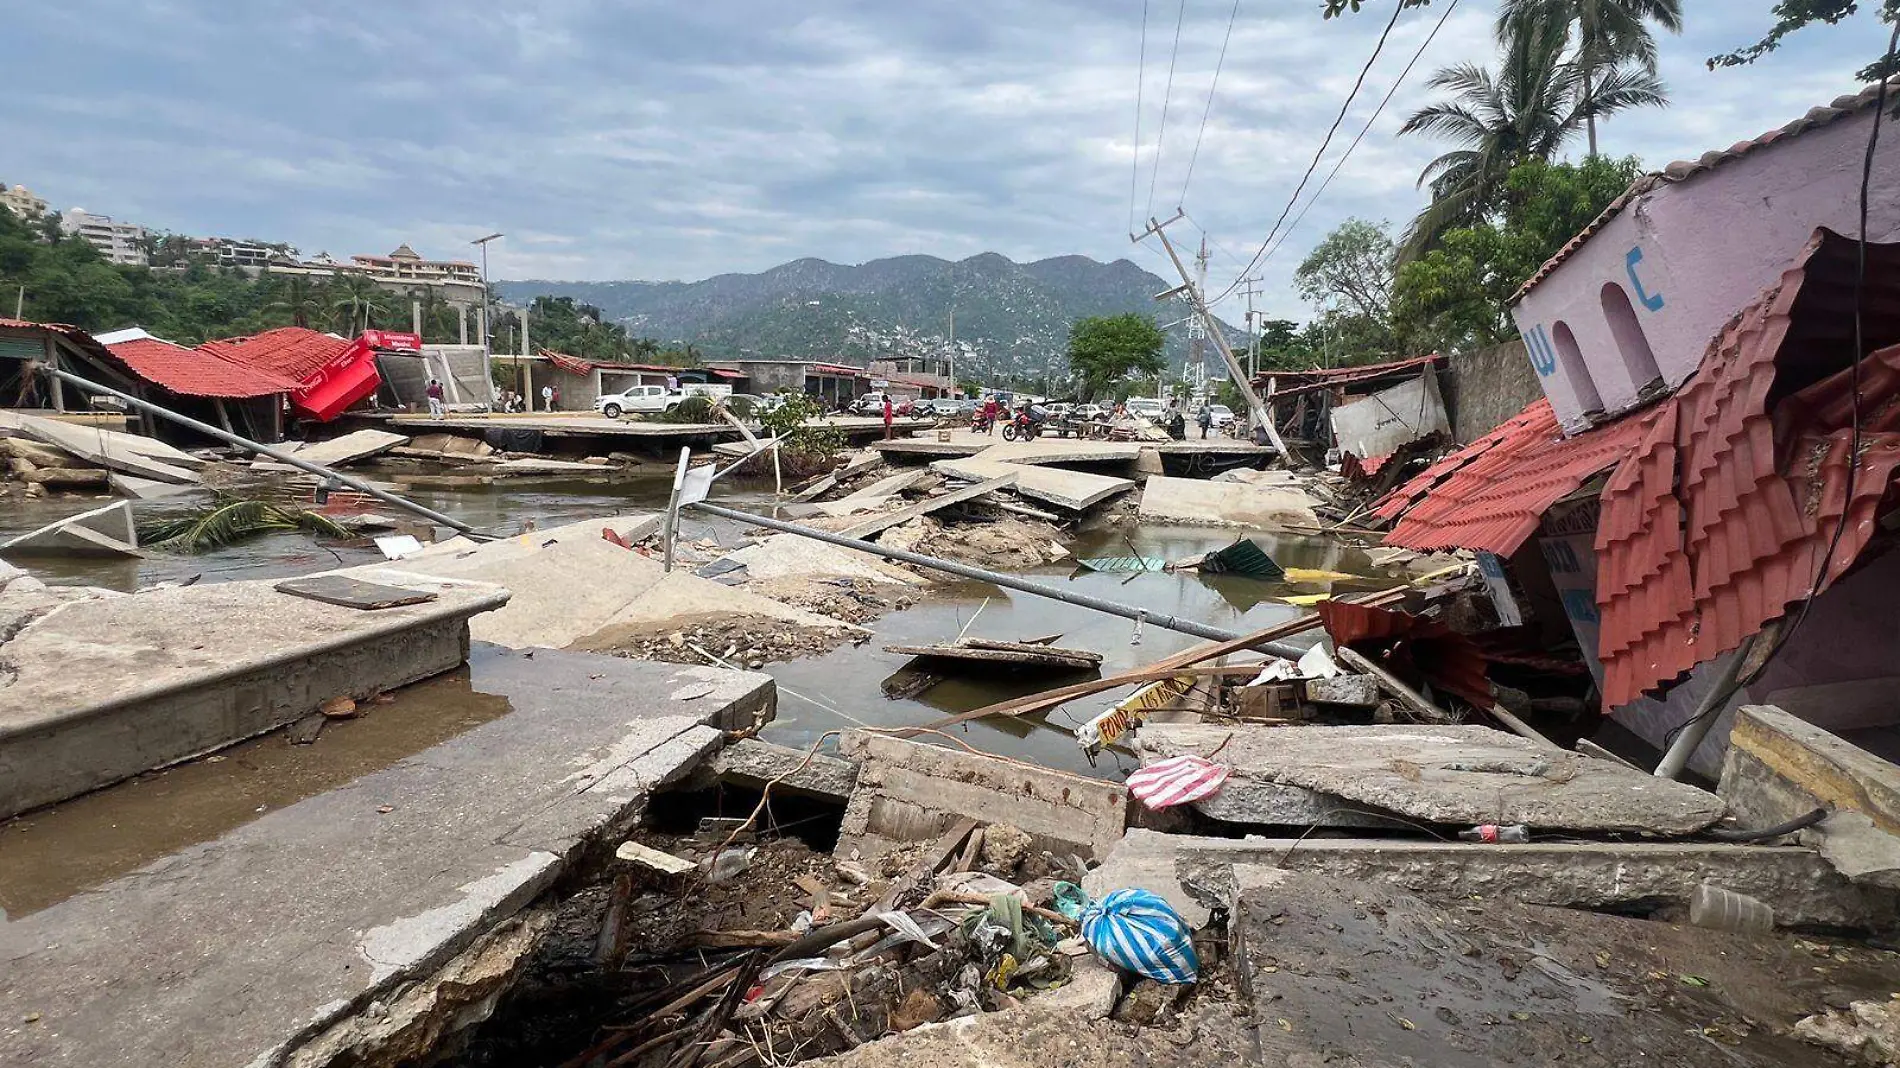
x: 854, y: 600
x: 749, y: 642
x: 1009, y: 543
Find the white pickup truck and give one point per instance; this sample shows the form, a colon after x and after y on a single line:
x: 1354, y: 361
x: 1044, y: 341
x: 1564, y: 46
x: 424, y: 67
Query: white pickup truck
x: 640, y: 400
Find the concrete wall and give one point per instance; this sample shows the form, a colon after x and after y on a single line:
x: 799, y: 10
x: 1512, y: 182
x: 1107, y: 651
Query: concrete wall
x: 1644, y: 296
x: 1484, y: 388
x: 772, y: 377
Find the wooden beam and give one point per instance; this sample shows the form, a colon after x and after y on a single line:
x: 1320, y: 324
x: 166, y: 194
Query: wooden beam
x: 1410, y: 698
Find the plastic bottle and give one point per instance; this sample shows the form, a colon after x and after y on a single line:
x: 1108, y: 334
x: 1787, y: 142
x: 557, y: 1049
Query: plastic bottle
x: 1491, y: 832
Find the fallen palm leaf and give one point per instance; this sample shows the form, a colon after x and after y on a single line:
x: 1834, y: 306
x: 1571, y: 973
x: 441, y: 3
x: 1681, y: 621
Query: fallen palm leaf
x: 228, y: 521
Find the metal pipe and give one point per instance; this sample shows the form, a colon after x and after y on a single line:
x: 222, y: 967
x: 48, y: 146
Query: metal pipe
x: 1013, y: 582
x: 1707, y: 711
x: 281, y: 457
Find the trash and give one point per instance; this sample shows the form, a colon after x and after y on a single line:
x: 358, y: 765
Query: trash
x: 904, y: 925
x: 728, y: 864
x: 1243, y: 557
x: 801, y: 964
x: 1136, y: 930
x: 1722, y: 909
x: 1491, y: 832
x: 397, y: 546
x: 653, y: 858
x: 1071, y: 900
x: 978, y: 884
x: 1107, y: 729
x: 1318, y: 664
x: 343, y: 707
x: 1177, y: 781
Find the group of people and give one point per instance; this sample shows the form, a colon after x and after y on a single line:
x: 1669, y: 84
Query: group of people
x: 508, y: 400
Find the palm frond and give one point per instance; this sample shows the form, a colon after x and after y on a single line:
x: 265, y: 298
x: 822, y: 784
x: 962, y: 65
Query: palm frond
x: 231, y: 520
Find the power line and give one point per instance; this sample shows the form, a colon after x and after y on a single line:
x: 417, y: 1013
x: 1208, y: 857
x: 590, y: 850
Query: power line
x: 1398, y: 8
x: 1209, y: 109
x: 1134, y: 160
x: 1363, y: 130
x: 1167, y: 94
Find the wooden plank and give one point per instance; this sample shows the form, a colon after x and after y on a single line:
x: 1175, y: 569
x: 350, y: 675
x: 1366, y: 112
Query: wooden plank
x: 926, y: 867
x: 1410, y: 698
x: 351, y: 593
x: 817, y: 489
x: 885, y: 522
x: 1025, y: 656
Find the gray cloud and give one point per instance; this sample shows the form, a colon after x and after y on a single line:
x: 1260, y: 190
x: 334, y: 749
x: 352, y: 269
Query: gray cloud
x: 664, y: 140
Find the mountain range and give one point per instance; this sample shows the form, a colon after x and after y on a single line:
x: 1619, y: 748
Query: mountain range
x: 1010, y: 318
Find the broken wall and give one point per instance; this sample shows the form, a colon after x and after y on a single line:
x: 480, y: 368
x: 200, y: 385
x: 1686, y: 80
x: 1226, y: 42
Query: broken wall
x: 1485, y: 387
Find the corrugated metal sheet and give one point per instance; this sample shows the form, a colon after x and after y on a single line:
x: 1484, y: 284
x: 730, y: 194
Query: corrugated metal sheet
x: 1292, y: 383
x: 1719, y: 520
x: 1411, y: 647
x: 195, y: 372
x: 1492, y: 493
x: 1682, y: 170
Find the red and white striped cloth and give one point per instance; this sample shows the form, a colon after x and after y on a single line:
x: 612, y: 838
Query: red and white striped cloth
x: 1176, y: 781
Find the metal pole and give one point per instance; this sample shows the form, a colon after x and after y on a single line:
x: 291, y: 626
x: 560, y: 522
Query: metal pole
x: 673, y: 504
x: 1707, y: 711
x: 281, y: 457
x: 997, y: 578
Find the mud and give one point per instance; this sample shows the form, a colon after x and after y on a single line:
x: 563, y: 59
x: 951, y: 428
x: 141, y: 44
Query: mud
x: 1009, y: 543
x: 854, y: 600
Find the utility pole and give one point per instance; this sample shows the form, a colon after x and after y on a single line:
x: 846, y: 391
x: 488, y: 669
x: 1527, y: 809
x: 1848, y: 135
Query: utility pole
x: 1253, y: 329
x: 1262, y: 416
x: 953, y: 350
x: 481, y: 323
x: 1197, y: 331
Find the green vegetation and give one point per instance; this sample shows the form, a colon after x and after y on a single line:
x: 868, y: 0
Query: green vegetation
x: 1792, y: 15
x: 809, y: 442
x: 1105, y: 350
x: 230, y: 520
x: 578, y: 329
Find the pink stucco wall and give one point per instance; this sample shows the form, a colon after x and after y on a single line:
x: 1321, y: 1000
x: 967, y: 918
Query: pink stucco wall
x: 1688, y: 255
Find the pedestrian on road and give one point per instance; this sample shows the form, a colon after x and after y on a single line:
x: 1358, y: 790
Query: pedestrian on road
x: 889, y: 429
x: 1205, y: 420
x: 434, y: 393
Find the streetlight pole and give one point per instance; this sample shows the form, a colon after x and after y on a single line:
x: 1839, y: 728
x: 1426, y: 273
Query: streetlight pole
x: 488, y: 357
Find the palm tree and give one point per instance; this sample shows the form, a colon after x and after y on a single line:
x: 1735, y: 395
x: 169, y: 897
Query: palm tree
x: 1610, y: 33
x: 1527, y: 109
x: 354, y: 297
x: 300, y: 299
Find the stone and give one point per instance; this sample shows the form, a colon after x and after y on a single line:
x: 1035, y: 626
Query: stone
x: 1004, y: 847
x: 1459, y: 773
x: 103, y: 689
x: 1074, y: 491
x: 1192, y: 501
x: 919, y: 1007
x: 1358, y: 691
x: 106, y: 531
x: 1779, y: 766
x: 278, y: 936
x: 1869, y: 1031
x: 910, y: 792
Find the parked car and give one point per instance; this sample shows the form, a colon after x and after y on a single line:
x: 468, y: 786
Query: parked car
x: 637, y: 400
x: 1223, y: 415
x: 1087, y: 411
x: 1146, y: 407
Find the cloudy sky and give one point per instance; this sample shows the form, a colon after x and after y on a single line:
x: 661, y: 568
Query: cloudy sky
x: 664, y: 140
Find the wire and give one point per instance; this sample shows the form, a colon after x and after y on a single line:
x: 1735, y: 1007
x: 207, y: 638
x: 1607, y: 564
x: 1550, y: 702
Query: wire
x: 1397, y: 10
x: 1134, y: 162
x: 1363, y: 130
x: 1167, y: 94
x: 1209, y: 109
x: 1716, y: 706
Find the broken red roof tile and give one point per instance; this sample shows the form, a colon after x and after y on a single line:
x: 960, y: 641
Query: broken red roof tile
x: 195, y: 372
x: 290, y: 352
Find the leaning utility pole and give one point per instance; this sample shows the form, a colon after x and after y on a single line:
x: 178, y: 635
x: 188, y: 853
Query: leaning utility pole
x: 1262, y: 416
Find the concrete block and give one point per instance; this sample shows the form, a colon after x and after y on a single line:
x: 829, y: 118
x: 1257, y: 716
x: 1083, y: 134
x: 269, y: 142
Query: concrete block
x: 1797, y: 883
x: 103, y: 689
x: 242, y: 950
x: 1778, y: 767
x: 106, y: 531
x: 753, y: 763
x: 338, y: 451
x: 1228, y: 504
x: 1136, y: 863
x: 1091, y: 992
x: 908, y: 791
x: 1073, y: 490
x: 1359, y: 691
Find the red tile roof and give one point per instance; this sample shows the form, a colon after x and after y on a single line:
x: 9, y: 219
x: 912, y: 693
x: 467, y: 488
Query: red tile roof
x: 1720, y: 519
x: 1492, y: 493
x: 290, y: 352
x: 1682, y: 170
x: 195, y: 372
x: 1412, y: 647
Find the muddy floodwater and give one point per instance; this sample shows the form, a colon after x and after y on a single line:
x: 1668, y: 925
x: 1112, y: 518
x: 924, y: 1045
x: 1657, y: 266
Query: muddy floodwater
x: 48, y: 855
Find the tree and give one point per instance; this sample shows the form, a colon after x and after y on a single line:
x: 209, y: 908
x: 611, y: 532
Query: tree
x: 1353, y: 264
x: 1104, y: 350
x: 1528, y: 109
x: 300, y: 300
x: 1792, y: 15
x: 1458, y: 295
x: 354, y: 297
x: 1609, y: 34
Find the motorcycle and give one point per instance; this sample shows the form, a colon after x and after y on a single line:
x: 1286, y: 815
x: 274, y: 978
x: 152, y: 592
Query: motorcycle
x: 1022, y: 428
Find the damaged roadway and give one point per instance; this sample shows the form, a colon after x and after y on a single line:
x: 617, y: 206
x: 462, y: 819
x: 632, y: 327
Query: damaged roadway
x: 237, y: 951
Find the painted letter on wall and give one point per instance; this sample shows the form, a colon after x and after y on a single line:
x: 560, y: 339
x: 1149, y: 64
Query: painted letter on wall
x: 1652, y: 301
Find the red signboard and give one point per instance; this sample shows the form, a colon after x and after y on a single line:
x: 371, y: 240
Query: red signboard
x: 387, y: 339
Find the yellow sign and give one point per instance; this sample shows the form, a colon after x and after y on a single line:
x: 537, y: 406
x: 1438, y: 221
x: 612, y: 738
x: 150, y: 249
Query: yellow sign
x: 1109, y: 727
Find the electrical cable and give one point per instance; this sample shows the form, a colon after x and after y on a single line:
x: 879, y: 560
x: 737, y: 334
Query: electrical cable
x: 1134, y: 162
x: 1167, y: 95
x: 1209, y: 109
x: 1363, y: 130
x: 1397, y: 10
x: 1853, y: 454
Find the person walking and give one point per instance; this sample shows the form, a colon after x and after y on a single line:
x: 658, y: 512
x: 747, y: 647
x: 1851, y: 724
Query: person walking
x: 434, y: 393
x: 1205, y: 420
x: 547, y: 398
x: 889, y: 428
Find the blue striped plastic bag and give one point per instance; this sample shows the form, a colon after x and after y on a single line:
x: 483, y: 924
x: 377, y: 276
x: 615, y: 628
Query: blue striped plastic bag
x: 1137, y: 930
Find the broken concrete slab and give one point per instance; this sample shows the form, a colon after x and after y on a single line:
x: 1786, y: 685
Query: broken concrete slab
x: 1779, y: 766
x: 627, y: 528
x: 793, y: 556
x: 105, y: 448
x: 909, y: 792
x: 888, y: 486
x: 337, y: 451
x: 1192, y: 501
x: 105, y: 531
x: 101, y: 689
x: 880, y: 523
x: 1071, y: 490
x: 363, y: 890
x: 144, y: 489
x: 1633, y: 877
x: 1051, y: 450
x: 1134, y: 862
x: 683, y: 597
x: 1458, y: 773
x: 1357, y: 691
x: 752, y: 763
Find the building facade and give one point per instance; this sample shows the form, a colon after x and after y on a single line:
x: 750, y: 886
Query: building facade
x: 20, y: 201
x: 1625, y: 311
x: 119, y: 242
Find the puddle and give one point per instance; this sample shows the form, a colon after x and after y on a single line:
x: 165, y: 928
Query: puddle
x: 51, y: 854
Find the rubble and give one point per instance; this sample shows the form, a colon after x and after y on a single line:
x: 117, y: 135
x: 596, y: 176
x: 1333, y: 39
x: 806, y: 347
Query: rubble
x: 1243, y: 504
x: 1005, y: 543
x: 103, y: 531
x: 336, y: 452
